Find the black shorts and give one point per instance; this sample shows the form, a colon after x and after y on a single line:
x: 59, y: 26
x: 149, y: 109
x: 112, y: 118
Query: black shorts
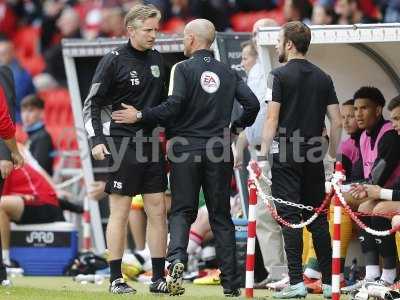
x: 40, y: 214
x: 300, y: 182
x: 139, y: 172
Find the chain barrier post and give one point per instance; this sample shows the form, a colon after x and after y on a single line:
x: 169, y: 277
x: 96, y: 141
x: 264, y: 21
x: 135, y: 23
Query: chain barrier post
x: 251, y: 239
x: 337, y: 219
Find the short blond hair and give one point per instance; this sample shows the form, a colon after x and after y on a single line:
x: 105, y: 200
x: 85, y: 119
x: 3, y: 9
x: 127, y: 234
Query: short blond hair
x: 139, y: 13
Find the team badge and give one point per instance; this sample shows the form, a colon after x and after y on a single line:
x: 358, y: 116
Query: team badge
x: 155, y: 70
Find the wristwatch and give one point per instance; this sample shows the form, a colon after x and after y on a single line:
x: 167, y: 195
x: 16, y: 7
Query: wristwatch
x: 139, y: 115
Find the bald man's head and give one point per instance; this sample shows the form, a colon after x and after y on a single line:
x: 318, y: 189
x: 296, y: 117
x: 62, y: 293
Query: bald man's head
x: 203, y: 31
x: 265, y: 22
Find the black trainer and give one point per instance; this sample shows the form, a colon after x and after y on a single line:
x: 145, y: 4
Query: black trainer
x: 119, y: 286
x: 231, y: 292
x: 159, y: 287
x: 175, y: 278
x: 3, y: 274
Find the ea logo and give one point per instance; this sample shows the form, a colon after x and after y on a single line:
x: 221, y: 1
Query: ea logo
x: 209, y: 82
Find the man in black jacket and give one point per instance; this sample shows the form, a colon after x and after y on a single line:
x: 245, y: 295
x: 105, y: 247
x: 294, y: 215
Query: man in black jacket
x: 201, y: 94
x: 131, y: 75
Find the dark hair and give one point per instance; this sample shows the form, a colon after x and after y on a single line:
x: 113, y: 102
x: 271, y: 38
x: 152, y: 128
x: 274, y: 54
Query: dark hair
x: 371, y: 93
x: 394, y: 103
x: 252, y: 46
x: 304, y: 8
x: 32, y: 101
x: 348, y: 102
x: 300, y: 35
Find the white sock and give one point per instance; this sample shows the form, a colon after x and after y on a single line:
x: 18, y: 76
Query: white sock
x: 6, y: 257
x: 311, y: 273
x: 193, y: 247
x: 372, y: 272
x: 388, y: 275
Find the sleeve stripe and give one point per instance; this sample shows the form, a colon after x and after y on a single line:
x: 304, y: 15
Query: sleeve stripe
x: 171, y: 80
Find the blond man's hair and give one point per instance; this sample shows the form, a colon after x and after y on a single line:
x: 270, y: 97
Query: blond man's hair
x: 139, y: 13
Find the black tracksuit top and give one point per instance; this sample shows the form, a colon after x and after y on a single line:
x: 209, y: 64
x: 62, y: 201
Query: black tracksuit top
x: 125, y: 75
x: 200, y: 99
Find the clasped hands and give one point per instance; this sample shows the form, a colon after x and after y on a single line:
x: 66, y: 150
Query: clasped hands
x: 362, y: 191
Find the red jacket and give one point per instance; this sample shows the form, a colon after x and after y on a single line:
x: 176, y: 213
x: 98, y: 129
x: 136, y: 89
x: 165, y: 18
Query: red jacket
x: 28, y: 181
x: 7, y: 128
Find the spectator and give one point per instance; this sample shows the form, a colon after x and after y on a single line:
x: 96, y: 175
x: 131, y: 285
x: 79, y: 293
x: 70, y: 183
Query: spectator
x: 297, y: 10
x: 40, y: 143
x: 29, y: 197
x: 323, y: 15
x: 69, y: 26
x: 112, y: 24
x: 392, y: 13
x: 29, y: 11
x: 349, y: 12
x: 8, y: 21
x: 23, y: 81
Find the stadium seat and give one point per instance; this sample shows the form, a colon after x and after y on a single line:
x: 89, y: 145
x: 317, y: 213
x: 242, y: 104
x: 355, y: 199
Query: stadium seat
x: 26, y: 41
x: 59, y: 119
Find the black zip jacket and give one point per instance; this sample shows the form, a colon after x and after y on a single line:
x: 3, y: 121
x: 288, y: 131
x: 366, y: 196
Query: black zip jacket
x: 125, y: 75
x: 201, y: 94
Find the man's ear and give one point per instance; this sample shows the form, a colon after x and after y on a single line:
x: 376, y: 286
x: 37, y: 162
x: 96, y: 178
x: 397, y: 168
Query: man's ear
x: 130, y: 30
x: 289, y: 44
x: 379, y: 110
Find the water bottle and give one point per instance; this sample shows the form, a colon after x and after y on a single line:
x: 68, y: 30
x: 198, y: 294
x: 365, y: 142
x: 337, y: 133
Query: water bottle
x: 353, y: 272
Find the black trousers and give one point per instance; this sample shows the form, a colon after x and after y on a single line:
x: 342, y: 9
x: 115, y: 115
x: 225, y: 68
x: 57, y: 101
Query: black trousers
x: 302, y: 182
x: 200, y: 170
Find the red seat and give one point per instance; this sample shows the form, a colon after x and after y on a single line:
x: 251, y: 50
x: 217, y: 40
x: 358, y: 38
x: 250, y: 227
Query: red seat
x: 59, y: 119
x: 26, y: 41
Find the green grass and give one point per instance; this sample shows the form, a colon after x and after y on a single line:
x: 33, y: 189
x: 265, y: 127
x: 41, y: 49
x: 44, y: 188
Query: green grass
x: 63, y: 288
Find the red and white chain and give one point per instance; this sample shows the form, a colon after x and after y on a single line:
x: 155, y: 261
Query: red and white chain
x: 257, y: 175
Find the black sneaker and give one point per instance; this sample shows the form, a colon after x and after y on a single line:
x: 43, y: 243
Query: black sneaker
x: 231, y: 292
x: 159, y: 287
x: 175, y: 278
x: 3, y: 272
x: 119, y: 286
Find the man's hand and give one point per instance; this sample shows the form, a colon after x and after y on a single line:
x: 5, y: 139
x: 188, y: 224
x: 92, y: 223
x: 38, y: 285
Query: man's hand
x: 373, y: 191
x: 238, y: 159
x: 17, y: 159
x: 329, y: 166
x: 358, y: 191
x: 6, y: 167
x: 96, y: 190
x: 126, y: 116
x: 99, y: 152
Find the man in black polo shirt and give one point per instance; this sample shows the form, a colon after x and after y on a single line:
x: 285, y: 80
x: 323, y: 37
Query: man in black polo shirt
x: 300, y: 95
